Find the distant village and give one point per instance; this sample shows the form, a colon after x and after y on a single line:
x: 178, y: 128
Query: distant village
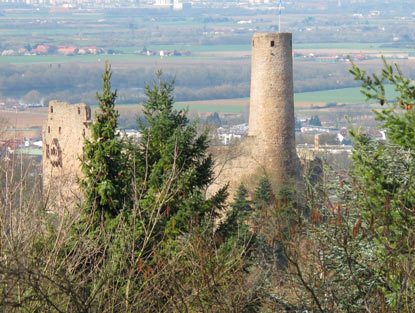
x: 47, y: 50
x: 73, y: 50
x: 339, y: 138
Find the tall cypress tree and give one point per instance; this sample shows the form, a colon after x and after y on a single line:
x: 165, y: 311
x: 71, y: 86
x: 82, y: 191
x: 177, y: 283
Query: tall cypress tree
x: 105, y: 179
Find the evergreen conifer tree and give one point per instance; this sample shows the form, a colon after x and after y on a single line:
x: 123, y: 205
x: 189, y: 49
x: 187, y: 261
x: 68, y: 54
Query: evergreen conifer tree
x: 385, y: 170
x: 105, y: 179
x: 263, y: 193
x: 173, y: 156
x: 315, y: 121
x: 237, y: 218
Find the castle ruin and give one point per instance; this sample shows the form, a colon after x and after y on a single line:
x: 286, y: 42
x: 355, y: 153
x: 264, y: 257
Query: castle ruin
x: 269, y: 149
x: 63, y: 136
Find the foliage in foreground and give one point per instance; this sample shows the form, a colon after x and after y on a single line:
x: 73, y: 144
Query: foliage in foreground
x: 349, y: 249
x: 143, y: 240
x: 105, y: 178
x: 354, y: 250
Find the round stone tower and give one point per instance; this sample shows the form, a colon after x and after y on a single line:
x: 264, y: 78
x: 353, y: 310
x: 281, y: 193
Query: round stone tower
x: 271, y: 113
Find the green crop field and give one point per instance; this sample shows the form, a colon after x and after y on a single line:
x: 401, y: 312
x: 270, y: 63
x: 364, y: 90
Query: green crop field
x: 210, y: 107
x: 202, y: 48
x: 40, y: 31
x: 343, y: 95
x: 349, y: 45
x: 198, y: 107
x: 338, y: 45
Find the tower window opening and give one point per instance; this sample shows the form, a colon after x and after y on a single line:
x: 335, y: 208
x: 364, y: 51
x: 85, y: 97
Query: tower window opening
x: 51, y: 109
x: 47, y: 151
x: 48, y: 129
x: 60, y: 130
x: 79, y: 110
x: 272, y: 43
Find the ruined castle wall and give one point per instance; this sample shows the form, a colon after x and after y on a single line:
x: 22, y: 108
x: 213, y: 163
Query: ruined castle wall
x: 63, y: 137
x: 236, y: 164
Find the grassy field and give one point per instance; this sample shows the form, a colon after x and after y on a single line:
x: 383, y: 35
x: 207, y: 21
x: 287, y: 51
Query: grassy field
x: 202, y: 48
x: 338, y: 45
x: 348, y: 96
x: 39, y: 31
x: 220, y: 106
x: 344, y: 95
x: 305, y: 101
x: 203, y: 108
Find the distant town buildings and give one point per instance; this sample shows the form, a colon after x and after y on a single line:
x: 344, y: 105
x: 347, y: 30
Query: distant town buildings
x: 44, y: 50
x: 163, y: 2
x: 74, y: 50
x: 176, y: 4
x: 170, y: 4
x: 71, y: 3
x: 229, y: 135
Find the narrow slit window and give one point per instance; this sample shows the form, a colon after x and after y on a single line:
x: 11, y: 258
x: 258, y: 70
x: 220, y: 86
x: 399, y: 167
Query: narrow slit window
x: 48, y: 129
x: 79, y: 110
x: 272, y: 43
x: 60, y: 130
x: 51, y: 109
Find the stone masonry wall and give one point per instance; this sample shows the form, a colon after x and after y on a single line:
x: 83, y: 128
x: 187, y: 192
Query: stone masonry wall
x: 63, y: 136
x: 270, y: 146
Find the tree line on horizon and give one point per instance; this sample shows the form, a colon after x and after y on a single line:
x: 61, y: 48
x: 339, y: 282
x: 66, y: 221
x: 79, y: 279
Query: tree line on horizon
x: 73, y: 83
